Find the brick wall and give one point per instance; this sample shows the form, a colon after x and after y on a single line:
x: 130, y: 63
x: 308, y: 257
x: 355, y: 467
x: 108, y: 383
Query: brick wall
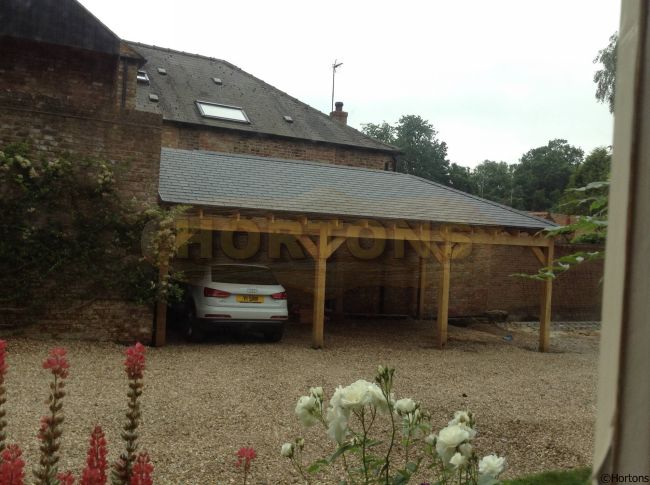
x: 480, y: 281
x: 65, y: 100
x: 199, y: 138
x: 103, y: 319
x: 74, y: 76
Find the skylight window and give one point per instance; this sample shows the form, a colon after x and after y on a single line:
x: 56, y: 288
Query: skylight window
x: 142, y: 77
x: 222, y: 112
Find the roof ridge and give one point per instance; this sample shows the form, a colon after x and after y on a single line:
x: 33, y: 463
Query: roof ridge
x: 319, y: 112
x: 287, y: 160
x: 169, y: 49
x: 487, y: 201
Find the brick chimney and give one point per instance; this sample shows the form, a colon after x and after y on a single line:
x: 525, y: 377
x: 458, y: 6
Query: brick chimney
x: 338, y: 114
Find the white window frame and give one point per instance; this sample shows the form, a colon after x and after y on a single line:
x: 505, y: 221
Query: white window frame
x: 199, y: 104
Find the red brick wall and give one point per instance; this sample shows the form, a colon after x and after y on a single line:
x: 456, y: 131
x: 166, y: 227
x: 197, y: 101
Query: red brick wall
x: 479, y: 282
x: 62, y: 99
x: 74, y: 76
x: 130, y: 137
x: 198, y: 138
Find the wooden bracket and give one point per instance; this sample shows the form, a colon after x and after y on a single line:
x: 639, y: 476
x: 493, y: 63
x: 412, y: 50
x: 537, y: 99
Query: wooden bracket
x: 539, y: 254
x: 309, y: 245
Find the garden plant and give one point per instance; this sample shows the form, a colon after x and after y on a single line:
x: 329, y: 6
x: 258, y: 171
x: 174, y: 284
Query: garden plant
x: 132, y: 468
x: 365, y: 452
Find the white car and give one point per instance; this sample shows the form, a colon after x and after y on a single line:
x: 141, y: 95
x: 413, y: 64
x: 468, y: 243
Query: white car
x: 245, y: 296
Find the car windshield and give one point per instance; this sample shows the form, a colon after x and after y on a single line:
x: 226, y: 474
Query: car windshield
x: 245, y: 275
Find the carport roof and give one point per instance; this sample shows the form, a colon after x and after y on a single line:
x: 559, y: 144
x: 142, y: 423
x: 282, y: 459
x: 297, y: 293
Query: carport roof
x: 258, y: 183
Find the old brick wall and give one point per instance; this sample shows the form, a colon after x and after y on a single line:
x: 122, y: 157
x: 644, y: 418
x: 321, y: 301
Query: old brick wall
x: 62, y: 100
x: 199, y: 138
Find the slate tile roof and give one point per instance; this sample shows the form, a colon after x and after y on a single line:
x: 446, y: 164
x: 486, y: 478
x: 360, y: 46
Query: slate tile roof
x: 250, y: 182
x: 189, y: 77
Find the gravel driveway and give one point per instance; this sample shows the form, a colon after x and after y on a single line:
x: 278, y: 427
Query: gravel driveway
x: 202, y: 402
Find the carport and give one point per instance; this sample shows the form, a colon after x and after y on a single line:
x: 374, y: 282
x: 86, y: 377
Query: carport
x: 323, y: 206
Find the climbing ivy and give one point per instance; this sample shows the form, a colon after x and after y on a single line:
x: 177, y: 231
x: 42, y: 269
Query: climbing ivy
x: 66, y: 232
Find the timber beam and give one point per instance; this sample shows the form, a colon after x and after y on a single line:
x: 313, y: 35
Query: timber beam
x: 302, y: 226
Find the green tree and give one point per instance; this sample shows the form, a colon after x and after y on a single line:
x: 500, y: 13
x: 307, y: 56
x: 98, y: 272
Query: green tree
x: 494, y: 181
x: 605, y: 77
x: 382, y: 132
x: 460, y: 178
x: 543, y: 173
x: 423, y: 154
x: 595, y: 168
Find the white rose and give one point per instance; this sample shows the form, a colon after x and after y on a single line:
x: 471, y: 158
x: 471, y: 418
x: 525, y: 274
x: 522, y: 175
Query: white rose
x: 287, y: 450
x: 491, y: 465
x: 306, y: 410
x: 404, y: 406
x: 449, y: 439
x: 358, y: 394
x: 465, y: 449
x: 458, y: 460
x: 337, y: 423
x: 431, y: 439
x: 376, y: 398
x: 460, y: 417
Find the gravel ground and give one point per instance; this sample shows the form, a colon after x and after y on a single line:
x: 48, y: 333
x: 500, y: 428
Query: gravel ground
x: 202, y: 402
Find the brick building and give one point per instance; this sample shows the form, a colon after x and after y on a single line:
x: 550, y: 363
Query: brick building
x: 68, y: 83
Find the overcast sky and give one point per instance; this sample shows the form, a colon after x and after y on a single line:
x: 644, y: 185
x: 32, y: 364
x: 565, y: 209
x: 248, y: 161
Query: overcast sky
x: 494, y: 78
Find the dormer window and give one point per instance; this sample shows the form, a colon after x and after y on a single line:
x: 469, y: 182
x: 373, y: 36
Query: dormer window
x: 222, y: 112
x: 142, y: 77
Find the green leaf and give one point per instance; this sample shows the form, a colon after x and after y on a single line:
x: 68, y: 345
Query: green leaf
x: 342, y: 449
x: 318, y: 465
x: 487, y: 480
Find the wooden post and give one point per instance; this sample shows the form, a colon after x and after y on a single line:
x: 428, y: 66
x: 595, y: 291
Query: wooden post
x: 320, y: 263
x: 161, y: 310
x: 443, y: 295
x: 545, y: 304
x: 422, y: 285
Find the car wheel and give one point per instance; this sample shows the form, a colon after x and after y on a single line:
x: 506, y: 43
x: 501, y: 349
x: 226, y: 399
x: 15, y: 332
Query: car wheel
x: 273, y: 334
x: 192, y: 332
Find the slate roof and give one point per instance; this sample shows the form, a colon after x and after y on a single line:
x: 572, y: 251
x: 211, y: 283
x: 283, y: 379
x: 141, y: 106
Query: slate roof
x: 249, y: 182
x: 61, y: 22
x: 189, y: 78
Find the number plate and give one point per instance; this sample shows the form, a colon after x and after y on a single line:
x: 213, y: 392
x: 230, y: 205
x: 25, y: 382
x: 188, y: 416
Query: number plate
x: 250, y: 299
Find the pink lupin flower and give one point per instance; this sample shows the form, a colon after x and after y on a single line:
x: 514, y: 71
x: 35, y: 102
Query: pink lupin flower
x: 142, y: 470
x: 12, y: 466
x: 65, y: 478
x: 95, y: 471
x: 134, y: 362
x: 245, y: 456
x: 57, y: 362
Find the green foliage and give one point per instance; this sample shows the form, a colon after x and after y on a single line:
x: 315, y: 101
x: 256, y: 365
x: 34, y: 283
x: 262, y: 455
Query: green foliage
x: 423, y: 155
x: 591, y: 228
x: 578, y: 476
x: 605, y: 77
x: 543, y: 173
x: 67, y: 232
x: 461, y: 178
x: 494, y: 181
x: 596, y: 167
